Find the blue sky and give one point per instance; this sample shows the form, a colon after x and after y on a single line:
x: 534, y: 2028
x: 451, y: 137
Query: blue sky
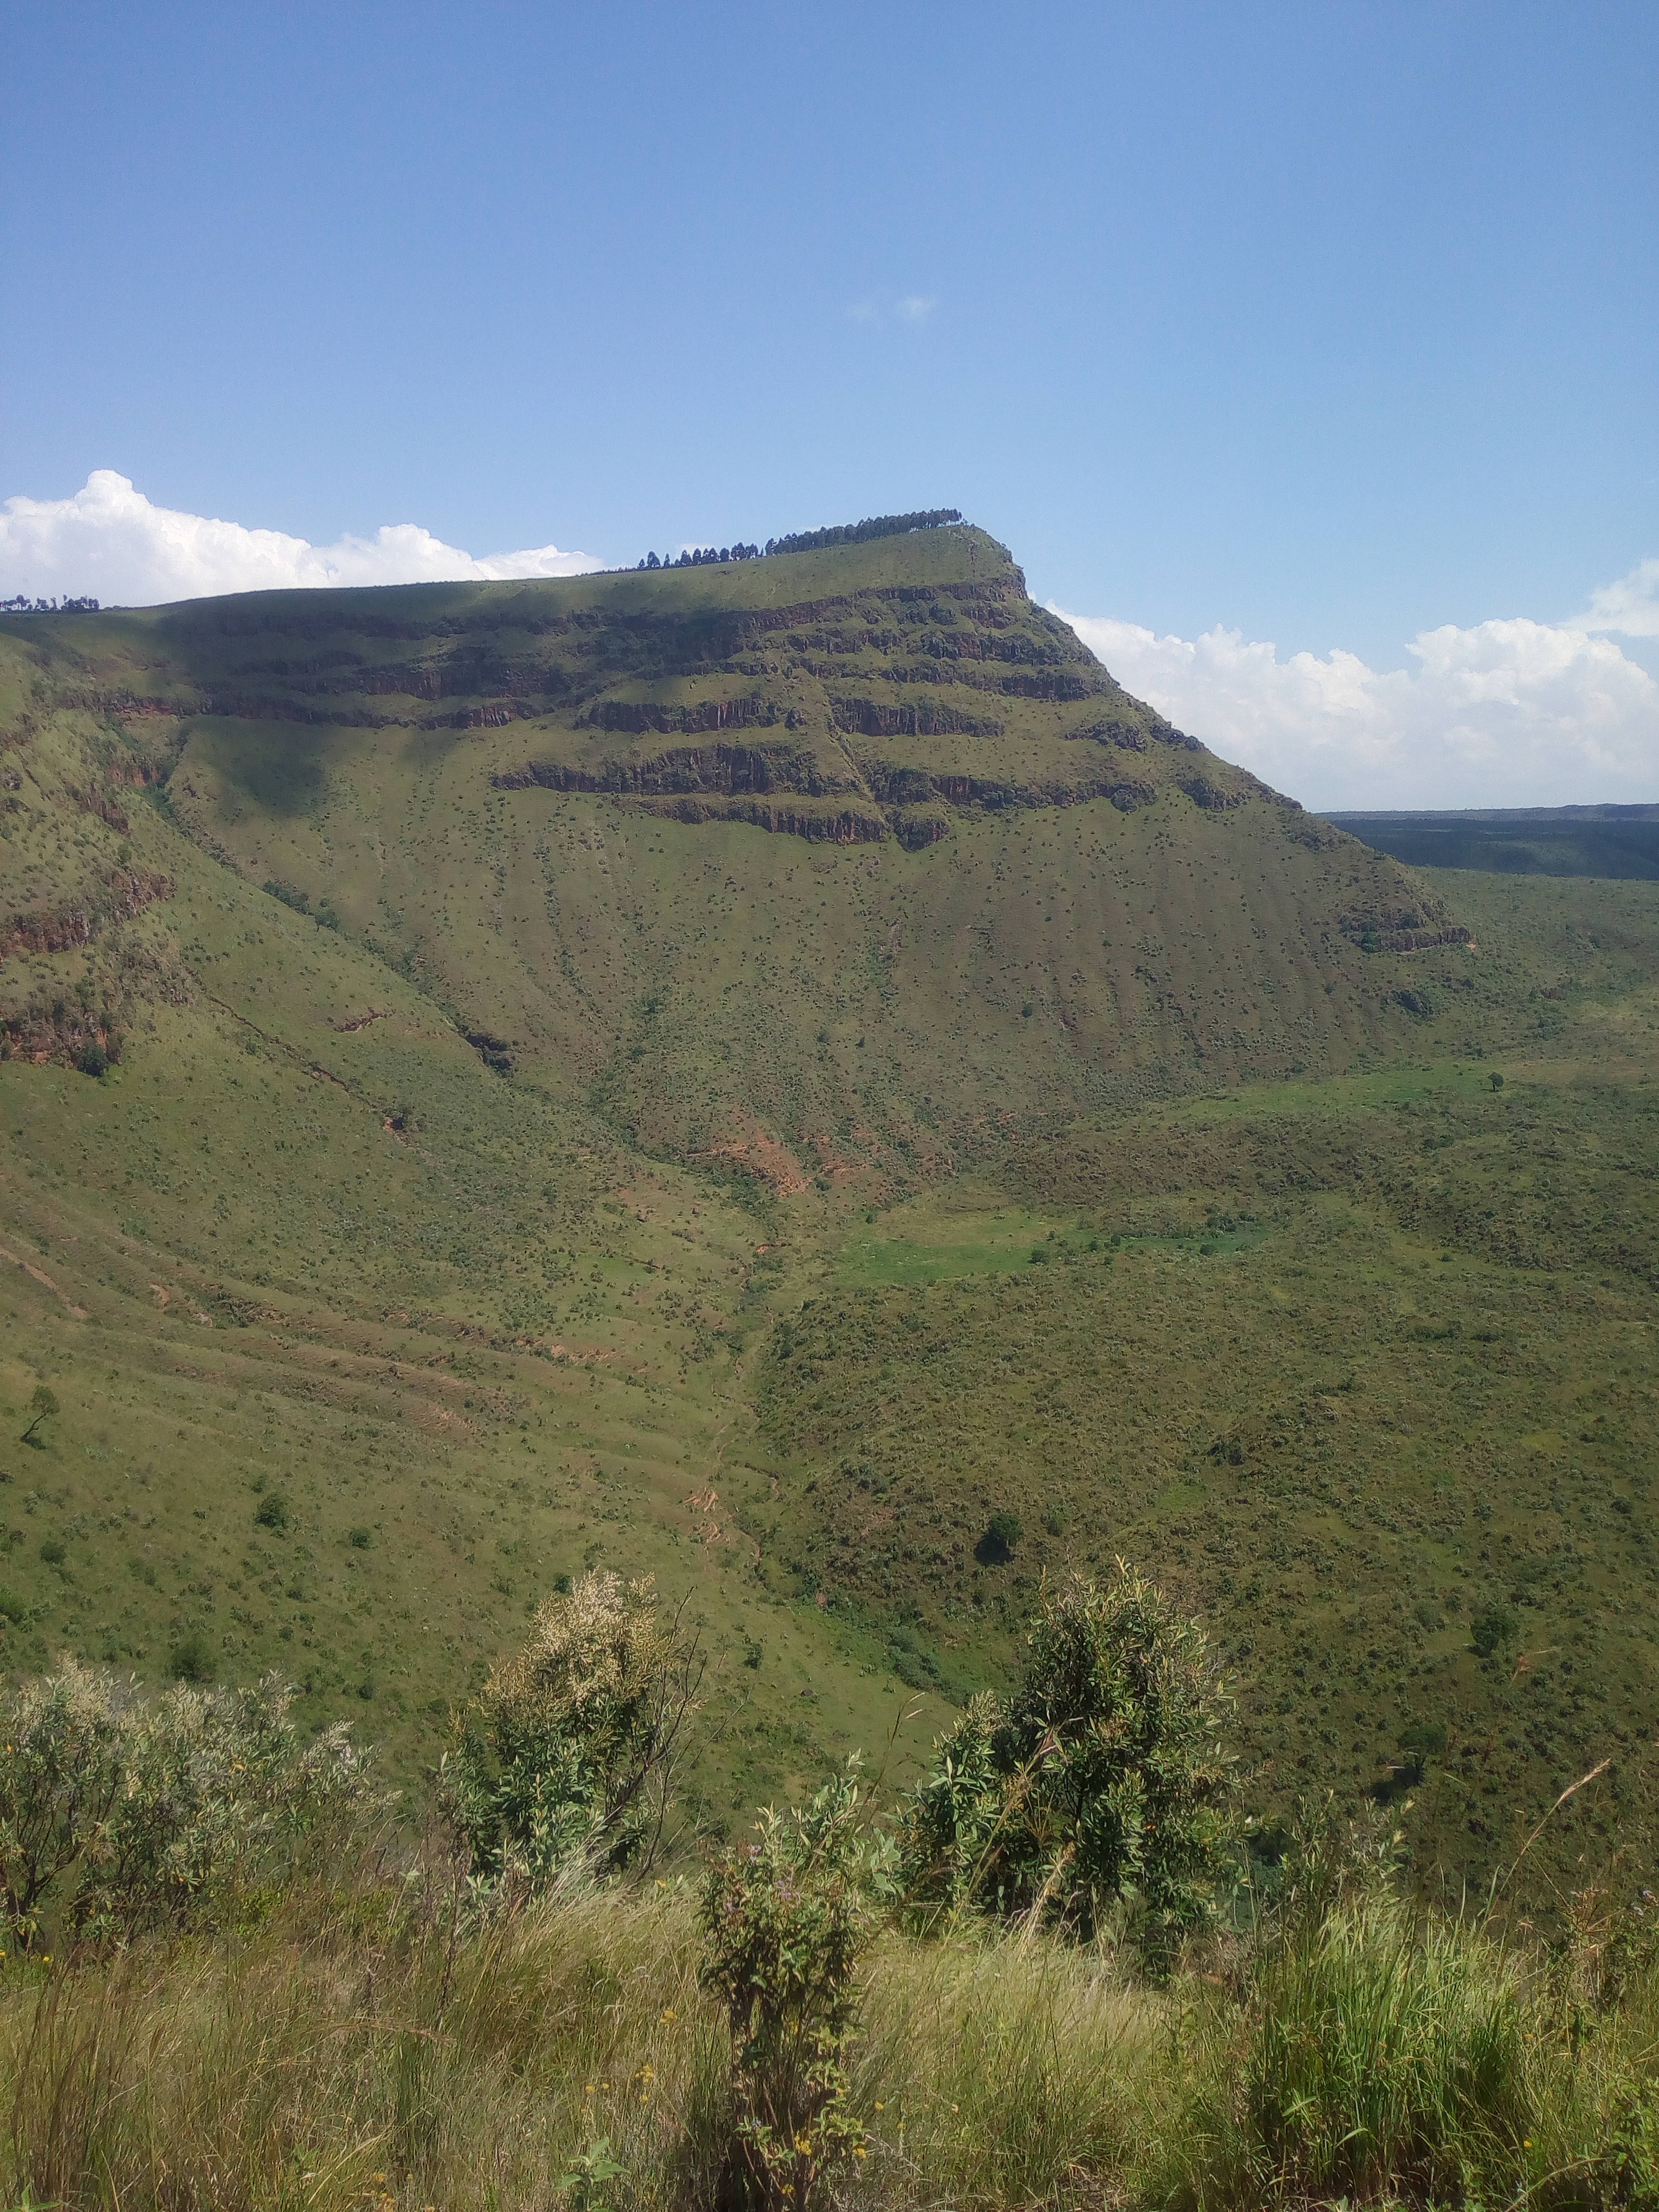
x: 1324, y: 327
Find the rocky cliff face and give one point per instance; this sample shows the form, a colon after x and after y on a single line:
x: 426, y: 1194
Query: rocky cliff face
x: 122, y: 893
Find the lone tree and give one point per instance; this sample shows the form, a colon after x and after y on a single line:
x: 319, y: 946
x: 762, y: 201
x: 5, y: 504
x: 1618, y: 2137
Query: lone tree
x: 568, y: 1755
x: 42, y: 1405
x: 1099, y: 1787
x: 1002, y: 1533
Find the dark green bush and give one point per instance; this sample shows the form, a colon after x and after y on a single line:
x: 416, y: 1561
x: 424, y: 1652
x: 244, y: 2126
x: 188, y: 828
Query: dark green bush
x: 1492, y: 1627
x: 191, y: 1659
x: 1002, y: 1534
x: 271, y: 1511
x: 93, y: 1059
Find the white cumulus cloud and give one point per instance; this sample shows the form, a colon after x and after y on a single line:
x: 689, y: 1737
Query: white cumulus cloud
x: 1505, y: 713
x: 109, y: 543
x: 1630, y: 605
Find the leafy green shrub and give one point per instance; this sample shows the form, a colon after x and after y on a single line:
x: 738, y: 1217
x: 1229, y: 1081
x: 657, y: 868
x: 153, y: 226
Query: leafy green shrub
x: 93, y: 1060
x: 119, y: 1813
x: 566, y: 1758
x: 360, y: 1538
x: 588, y: 2186
x: 1627, y: 2171
x: 271, y: 1511
x: 1100, y: 1786
x: 784, y: 1919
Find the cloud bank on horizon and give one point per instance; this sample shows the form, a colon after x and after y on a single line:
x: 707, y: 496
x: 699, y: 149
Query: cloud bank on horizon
x: 1507, y: 713
x: 109, y: 543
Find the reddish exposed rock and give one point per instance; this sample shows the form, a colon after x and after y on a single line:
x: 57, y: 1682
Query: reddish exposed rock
x: 123, y: 893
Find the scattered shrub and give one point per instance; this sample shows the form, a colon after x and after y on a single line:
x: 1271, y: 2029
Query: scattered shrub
x: 360, y: 1538
x: 119, y: 1813
x: 1097, y: 1789
x: 566, y: 1758
x: 1424, y: 1739
x: 93, y: 1060
x: 271, y: 1511
x: 784, y: 1919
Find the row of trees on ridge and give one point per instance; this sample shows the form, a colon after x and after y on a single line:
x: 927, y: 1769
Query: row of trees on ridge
x: 810, y: 541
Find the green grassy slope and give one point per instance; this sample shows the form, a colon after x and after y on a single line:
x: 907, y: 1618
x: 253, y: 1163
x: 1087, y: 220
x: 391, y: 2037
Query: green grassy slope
x: 526, y: 998
x: 1350, y: 1363
x: 301, y: 1240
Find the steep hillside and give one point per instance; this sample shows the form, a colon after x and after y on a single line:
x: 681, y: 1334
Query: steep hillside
x: 810, y: 862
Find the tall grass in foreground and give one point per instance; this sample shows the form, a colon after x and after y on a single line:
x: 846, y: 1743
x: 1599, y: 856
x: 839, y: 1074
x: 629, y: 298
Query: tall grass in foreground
x: 348, y: 2055
x: 1375, y: 2057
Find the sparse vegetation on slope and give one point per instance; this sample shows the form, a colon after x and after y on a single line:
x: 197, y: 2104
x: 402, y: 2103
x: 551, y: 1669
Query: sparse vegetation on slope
x: 513, y: 1157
